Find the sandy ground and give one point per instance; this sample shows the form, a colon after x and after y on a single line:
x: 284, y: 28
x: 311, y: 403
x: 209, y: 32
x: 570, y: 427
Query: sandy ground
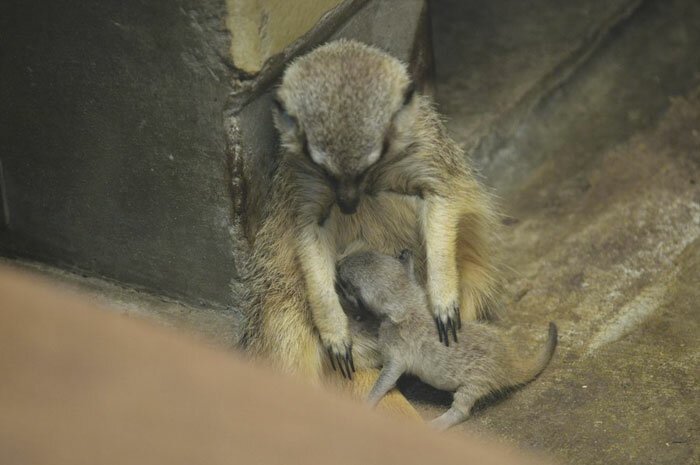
x: 600, y: 183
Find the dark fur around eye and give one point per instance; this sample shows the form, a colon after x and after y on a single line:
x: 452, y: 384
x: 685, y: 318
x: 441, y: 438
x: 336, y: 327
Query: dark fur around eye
x: 305, y: 146
x: 332, y: 180
x: 361, y: 304
x: 278, y: 104
x: 289, y: 121
x: 385, y: 146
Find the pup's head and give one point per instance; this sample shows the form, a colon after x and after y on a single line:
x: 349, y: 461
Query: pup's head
x: 342, y: 107
x: 381, y: 284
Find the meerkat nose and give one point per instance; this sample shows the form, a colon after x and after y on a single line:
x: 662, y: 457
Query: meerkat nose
x: 347, y: 208
x: 348, y: 199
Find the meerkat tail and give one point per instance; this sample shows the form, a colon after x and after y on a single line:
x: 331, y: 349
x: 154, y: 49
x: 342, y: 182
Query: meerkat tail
x: 530, y: 369
x: 361, y: 384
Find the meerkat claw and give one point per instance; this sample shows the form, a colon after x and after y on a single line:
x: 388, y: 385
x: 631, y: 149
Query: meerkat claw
x: 349, y: 360
x: 342, y: 362
x: 330, y: 355
x: 446, y: 326
x: 444, y: 337
x: 438, y: 324
x: 453, y: 325
x: 339, y: 359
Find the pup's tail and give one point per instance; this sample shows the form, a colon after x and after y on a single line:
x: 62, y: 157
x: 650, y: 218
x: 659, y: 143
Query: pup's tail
x: 528, y: 370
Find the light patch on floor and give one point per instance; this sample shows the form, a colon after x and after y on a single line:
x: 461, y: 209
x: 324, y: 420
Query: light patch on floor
x: 632, y: 315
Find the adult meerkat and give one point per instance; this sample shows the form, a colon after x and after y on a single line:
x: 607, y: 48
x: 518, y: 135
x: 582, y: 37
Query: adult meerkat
x: 480, y: 363
x: 364, y: 158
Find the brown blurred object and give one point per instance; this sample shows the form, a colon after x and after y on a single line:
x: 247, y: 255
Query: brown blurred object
x: 83, y: 386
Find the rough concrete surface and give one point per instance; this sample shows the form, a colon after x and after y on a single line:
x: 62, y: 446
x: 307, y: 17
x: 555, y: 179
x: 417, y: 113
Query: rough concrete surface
x: 601, y: 187
x: 112, y: 141
x: 511, y: 53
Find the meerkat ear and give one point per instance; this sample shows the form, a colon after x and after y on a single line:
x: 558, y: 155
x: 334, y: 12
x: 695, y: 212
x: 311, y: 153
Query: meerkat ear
x: 408, y: 93
x: 284, y: 122
x: 403, y: 121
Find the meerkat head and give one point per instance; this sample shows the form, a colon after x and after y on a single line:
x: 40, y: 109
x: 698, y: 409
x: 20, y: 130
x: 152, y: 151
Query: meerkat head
x: 338, y: 107
x: 381, y: 284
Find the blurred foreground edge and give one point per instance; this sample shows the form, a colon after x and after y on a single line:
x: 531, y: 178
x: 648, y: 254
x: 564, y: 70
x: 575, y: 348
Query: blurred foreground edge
x: 84, y: 386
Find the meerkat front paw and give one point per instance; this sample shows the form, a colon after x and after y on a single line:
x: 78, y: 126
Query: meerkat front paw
x: 339, y: 350
x: 447, y: 320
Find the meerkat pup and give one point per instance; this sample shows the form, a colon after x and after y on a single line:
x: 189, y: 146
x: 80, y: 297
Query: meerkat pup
x: 363, y: 158
x: 481, y: 361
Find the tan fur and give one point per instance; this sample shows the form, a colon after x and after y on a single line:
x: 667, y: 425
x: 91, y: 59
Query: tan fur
x: 340, y: 106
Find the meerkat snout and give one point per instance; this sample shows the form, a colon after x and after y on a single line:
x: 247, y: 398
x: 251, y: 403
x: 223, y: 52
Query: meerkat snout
x: 348, y: 196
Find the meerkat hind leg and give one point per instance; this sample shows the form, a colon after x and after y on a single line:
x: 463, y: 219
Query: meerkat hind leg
x: 448, y: 419
x: 458, y: 412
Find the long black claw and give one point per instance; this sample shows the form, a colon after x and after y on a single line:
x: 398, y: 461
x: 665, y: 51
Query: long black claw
x: 437, y: 325
x: 342, y: 362
x: 330, y: 355
x: 339, y: 359
x: 442, y: 331
x: 454, y: 329
x: 349, y: 362
x: 346, y: 364
x: 459, y: 318
x: 445, y: 334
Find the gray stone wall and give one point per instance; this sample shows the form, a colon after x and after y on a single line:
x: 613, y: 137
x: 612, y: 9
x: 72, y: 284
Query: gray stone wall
x: 112, y: 144
x: 131, y: 146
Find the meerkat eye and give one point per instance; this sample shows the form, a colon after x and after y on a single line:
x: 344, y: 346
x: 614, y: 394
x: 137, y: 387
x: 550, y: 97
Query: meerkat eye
x: 286, y: 121
x: 385, y: 147
x: 278, y: 104
x: 332, y: 180
x: 362, y: 305
x: 330, y: 177
x: 305, y: 146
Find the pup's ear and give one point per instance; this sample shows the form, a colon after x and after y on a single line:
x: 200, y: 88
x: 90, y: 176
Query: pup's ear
x: 406, y: 257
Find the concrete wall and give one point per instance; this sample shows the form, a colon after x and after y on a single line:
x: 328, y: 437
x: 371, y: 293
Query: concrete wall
x: 112, y: 144
x: 132, y: 146
x: 261, y: 29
